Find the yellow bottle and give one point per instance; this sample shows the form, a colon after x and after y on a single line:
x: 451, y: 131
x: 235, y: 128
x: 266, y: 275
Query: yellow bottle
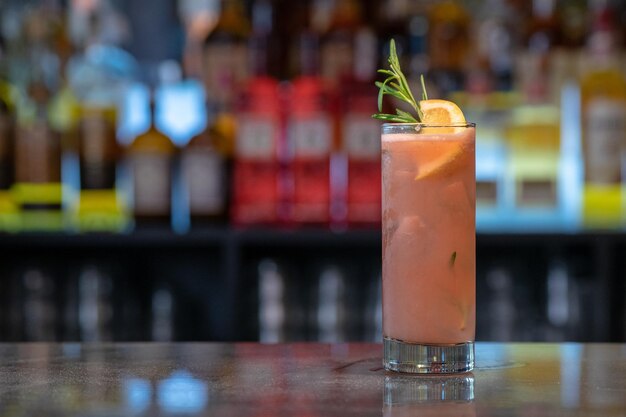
x: 603, y: 101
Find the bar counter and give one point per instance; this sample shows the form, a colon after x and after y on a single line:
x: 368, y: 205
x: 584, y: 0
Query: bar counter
x: 305, y: 379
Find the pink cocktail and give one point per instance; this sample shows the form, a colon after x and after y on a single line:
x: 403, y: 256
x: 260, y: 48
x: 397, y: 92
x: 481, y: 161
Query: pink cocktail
x: 429, y: 254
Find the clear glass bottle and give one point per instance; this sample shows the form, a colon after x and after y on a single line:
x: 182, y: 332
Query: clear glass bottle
x: 151, y: 157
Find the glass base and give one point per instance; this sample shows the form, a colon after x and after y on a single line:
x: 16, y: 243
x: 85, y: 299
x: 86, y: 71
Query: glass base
x: 416, y: 358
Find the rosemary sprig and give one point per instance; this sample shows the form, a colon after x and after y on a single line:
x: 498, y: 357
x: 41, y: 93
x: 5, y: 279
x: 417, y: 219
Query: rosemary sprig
x: 396, y: 85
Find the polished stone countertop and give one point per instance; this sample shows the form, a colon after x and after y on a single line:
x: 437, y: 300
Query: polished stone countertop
x: 305, y: 379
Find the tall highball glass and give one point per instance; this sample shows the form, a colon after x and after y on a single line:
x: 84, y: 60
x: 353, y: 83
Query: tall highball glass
x: 429, y: 247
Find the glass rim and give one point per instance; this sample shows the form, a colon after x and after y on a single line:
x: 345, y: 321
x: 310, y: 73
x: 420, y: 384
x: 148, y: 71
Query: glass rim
x: 386, y: 126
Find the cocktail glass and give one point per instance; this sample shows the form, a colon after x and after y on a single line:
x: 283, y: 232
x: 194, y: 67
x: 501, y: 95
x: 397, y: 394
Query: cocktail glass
x: 429, y: 247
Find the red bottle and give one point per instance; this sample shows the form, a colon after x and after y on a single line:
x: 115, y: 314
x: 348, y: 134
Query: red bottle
x: 360, y: 138
x: 361, y: 145
x: 256, y: 169
x: 310, y: 136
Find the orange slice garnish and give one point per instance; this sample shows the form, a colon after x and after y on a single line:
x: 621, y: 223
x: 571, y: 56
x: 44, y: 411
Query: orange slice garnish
x: 444, y: 116
x: 441, y: 113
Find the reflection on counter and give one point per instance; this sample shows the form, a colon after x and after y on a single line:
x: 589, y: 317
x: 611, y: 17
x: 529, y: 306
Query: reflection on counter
x: 305, y: 380
x: 429, y: 396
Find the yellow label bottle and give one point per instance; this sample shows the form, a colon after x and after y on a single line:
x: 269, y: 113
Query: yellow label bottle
x: 603, y: 99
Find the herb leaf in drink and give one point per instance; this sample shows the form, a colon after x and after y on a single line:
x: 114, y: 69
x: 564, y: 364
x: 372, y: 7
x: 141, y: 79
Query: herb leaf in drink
x: 452, y: 259
x: 396, y: 85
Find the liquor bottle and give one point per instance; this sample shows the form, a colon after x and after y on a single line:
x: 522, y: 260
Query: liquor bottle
x: 266, y: 55
x: 8, y: 209
x: 496, y: 42
x: 573, y: 23
x: 360, y: 137
x: 100, y: 207
x: 493, y: 183
x: 534, y: 139
x: 204, y: 171
x: 37, y: 189
x: 532, y: 67
x: 257, y: 179
x: 337, y: 49
x: 310, y: 136
x: 448, y: 44
x: 394, y: 20
x: 151, y: 157
x: 533, y: 134
x: 226, y: 55
x: 603, y: 107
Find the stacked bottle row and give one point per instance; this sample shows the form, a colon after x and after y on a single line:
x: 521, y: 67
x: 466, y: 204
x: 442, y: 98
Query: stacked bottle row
x: 283, y: 166
x: 549, y: 143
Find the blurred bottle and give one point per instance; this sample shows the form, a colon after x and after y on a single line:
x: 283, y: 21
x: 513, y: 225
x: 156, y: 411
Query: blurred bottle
x: 603, y: 101
x: 448, y: 44
x: 226, y: 55
x: 562, y: 299
x: 533, y: 134
x: 573, y: 23
x: 332, y: 309
x: 532, y: 67
x: 39, y: 311
x: 95, y: 305
x: 204, y: 171
x: 266, y: 55
x: 272, y: 304
x: 419, y: 61
x: 534, y: 139
x: 163, y: 308
x: 496, y: 41
x: 501, y: 308
x: 393, y: 22
x: 360, y: 137
x: 258, y: 180
x: 310, y: 135
x: 494, y: 186
x: 337, y: 49
x: 38, y: 189
x: 573, y: 28
x: 296, y: 26
x: 100, y: 205
x: 9, y: 220
x: 151, y: 158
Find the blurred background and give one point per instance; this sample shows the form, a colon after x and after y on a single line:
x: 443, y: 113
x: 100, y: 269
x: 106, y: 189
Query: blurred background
x: 208, y: 170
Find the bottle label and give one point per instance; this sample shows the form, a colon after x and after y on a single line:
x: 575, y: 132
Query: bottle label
x: 537, y: 193
x: 312, y: 137
x: 203, y: 171
x: 97, y: 152
x: 37, y: 154
x: 604, y: 132
x: 256, y: 138
x: 486, y: 192
x: 361, y: 136
x: 151, y: 181
x: 226, y: 67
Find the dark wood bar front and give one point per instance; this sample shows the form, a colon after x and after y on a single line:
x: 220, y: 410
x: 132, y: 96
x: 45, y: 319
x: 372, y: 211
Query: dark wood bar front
x: 246, y: 379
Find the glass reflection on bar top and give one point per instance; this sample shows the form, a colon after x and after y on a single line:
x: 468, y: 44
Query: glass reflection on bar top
x: 305, y: 380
